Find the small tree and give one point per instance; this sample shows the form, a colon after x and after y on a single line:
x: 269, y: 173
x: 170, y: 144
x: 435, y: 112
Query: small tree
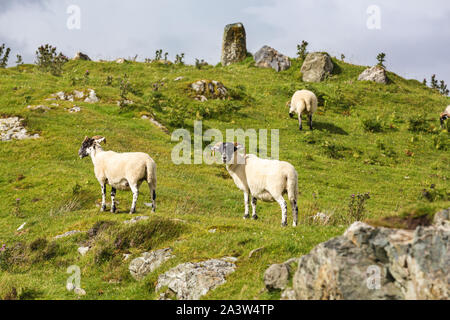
x: 434, y: 82
x: 381, y: 58
x: 48, y: 60
x: 4, y: 56
x: 302, y: 50
x: 342, y: 57
x: 179, y: 58
x: 19, y: 60
x: 443, y: 88
x: 424, y: 82
x: 158, y: 54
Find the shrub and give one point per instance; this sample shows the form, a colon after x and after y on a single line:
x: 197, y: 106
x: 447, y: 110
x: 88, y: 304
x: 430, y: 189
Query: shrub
x: 4, y: 56
x: 381, y: 58
x: 357, y: 206
x: 433, y: 194
x: 372, y: 125
x: 418, y: 124
x: 179, y: 58
x: 302, y: 50
x: 48, y: 60
x: 19, y: 60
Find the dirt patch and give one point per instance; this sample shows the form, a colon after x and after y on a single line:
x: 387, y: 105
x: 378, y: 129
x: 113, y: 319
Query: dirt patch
x: 407, y: 222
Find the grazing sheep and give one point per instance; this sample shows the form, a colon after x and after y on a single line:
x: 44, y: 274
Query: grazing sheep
x: 303, y: 101
x: 123, y: 171
x: 445, y: 115
x: 266, y: 180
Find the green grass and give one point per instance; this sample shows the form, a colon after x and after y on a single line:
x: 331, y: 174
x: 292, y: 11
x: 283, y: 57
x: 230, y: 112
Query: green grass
x: 368, y: 138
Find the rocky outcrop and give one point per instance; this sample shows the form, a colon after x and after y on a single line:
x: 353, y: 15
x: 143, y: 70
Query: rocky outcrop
x: 190, y: 281
x: 81, y: 56
x: 268, y: 57
x: 142, y: 266
x: 90, y: 96
x: 316, y: 67
x: 377, y: 263
x: 13, y: 129
x: 375, y: 74
x: 234, y: 45
x: 211, y: 89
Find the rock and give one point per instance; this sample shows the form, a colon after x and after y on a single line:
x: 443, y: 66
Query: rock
x: 81, y: 56
x: 21, y: 227
x: 212, y: 231
x: 255, y: 252
x: 209, y: 88
x: 178, y: 79
x: 78, y: 94
x: 268, y: 57
x: 70, y: 286
x: 156, y: 123
x: 12, y: 129
x: 126, y: 256
x: 234, y: 44
x: 67, y: 234
x: 121, y: 60
x: 136, y: 220
x: 75, y: 109
x: 442, y: 218
x: 39, y: 107
x: 149, y: 262
x: 83, y: 250
x: 316, y: 67
x: 92, y: 97
x: 191, y: 281
x: 378, y: 263
x: 125, y: 103
x: 376, y: 74
x: 276, y: 277
x: 60, y: 95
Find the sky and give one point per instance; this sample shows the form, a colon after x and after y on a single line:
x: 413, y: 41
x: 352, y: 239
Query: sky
x: 414, y: 34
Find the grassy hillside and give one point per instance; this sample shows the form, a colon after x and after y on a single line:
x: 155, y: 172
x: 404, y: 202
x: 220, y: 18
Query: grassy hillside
x: 382, y: 139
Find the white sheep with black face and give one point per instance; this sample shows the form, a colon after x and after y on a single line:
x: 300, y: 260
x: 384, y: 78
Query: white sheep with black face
x: 303, y: 101
x: 122, y: 171
x: 445, y: 115
x: 266, y: 180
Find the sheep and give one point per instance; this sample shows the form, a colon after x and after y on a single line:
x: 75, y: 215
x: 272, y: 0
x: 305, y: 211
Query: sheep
x: 303, y: 101
x: 122, y: 171
x: 266, y: 180
x: 444, y: 116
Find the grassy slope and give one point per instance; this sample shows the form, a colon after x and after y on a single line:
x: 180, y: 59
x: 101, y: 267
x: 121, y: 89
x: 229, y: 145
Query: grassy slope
x: 43, y: 173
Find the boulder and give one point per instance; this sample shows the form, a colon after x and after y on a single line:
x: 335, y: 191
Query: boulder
x: 205, y: 89
x: 276, y: 277
x: 376, y: 74
x: 149, y: 262
x: 12, y: 129
x: 191, y: 281
x: 81, y: 56
x: 121, y: 60
x: 268, y: 57
x: 377, y: 263
x: 92, y: 97
x: 316, y: 67
x: 234, y: 45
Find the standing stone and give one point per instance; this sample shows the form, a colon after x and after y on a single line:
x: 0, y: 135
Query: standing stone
x: 268, y: 57
x: 234, y: 45
x: 317, y: 67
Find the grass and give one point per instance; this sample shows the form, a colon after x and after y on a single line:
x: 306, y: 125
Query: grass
x: 382, y: 139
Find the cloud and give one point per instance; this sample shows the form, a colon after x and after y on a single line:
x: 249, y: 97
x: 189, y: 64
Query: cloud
x: 412, y: 33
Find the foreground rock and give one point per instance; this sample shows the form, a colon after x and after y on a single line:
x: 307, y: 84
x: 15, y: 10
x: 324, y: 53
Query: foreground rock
x: 377, y: 263
x: 209, y: 89
x: 191, y: 281
x: 316, y: 67
x: 375, y: 74
x: 268, y: 57
x: 12, y: 129
x: 142, y: 266
x: 234, y: 45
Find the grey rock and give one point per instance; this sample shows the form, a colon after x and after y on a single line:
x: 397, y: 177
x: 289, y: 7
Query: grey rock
x: 92, y: 97
x: 136, y: 220
x: 83, y: 250
x: 149, y: 262
x: 12, y: 129
x: 316, y: 67
x: 81, y: 56
x: 234, y: 44
x: 178, y: 79
x: 191, y: 281
x: 79, y: 291
x: 75, y: 109
x: 256, y: 252
x: 39, y: 107
x: 442, y: 218
x: 121, y: 60
x: 276, y: 277
x: 375, y: 74
x: 67, y: 234
x: 378, y: 263
x: 78, y: 94
x: 209, y: 88
x: 268, y: 57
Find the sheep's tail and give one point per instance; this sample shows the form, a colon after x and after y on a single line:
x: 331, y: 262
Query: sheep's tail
x: 151, y: 174
x: 292, y: 185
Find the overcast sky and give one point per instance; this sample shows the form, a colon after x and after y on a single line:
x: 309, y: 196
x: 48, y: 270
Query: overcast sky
x: 414, y: 34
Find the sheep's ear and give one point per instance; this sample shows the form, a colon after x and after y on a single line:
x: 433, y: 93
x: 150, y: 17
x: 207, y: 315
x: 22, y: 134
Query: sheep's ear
x: 86, y: 139
x: 99, y: 139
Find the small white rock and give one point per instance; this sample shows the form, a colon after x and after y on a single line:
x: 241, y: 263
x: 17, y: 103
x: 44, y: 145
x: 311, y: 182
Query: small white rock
x: 83, y: 250
x: 21, y: 227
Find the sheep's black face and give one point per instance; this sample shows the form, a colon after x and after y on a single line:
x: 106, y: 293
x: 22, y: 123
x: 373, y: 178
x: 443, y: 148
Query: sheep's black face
x: 86, y: 147
x: 227, y: 150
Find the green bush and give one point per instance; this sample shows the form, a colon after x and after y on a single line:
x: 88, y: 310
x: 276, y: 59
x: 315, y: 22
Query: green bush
x: 372, y: 125
x: 48, y: 60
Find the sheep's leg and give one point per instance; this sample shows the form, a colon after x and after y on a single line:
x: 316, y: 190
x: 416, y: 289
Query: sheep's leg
x: 300, y: 122
x: 254, y: 215
x: 294, y: 212
x: 310, y: 121
x: 103, y: 209
x: 153, y: 196
x: 246, y: 198
x: 135, y: 191
x: 113, y: 200
x: 283, y: 206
